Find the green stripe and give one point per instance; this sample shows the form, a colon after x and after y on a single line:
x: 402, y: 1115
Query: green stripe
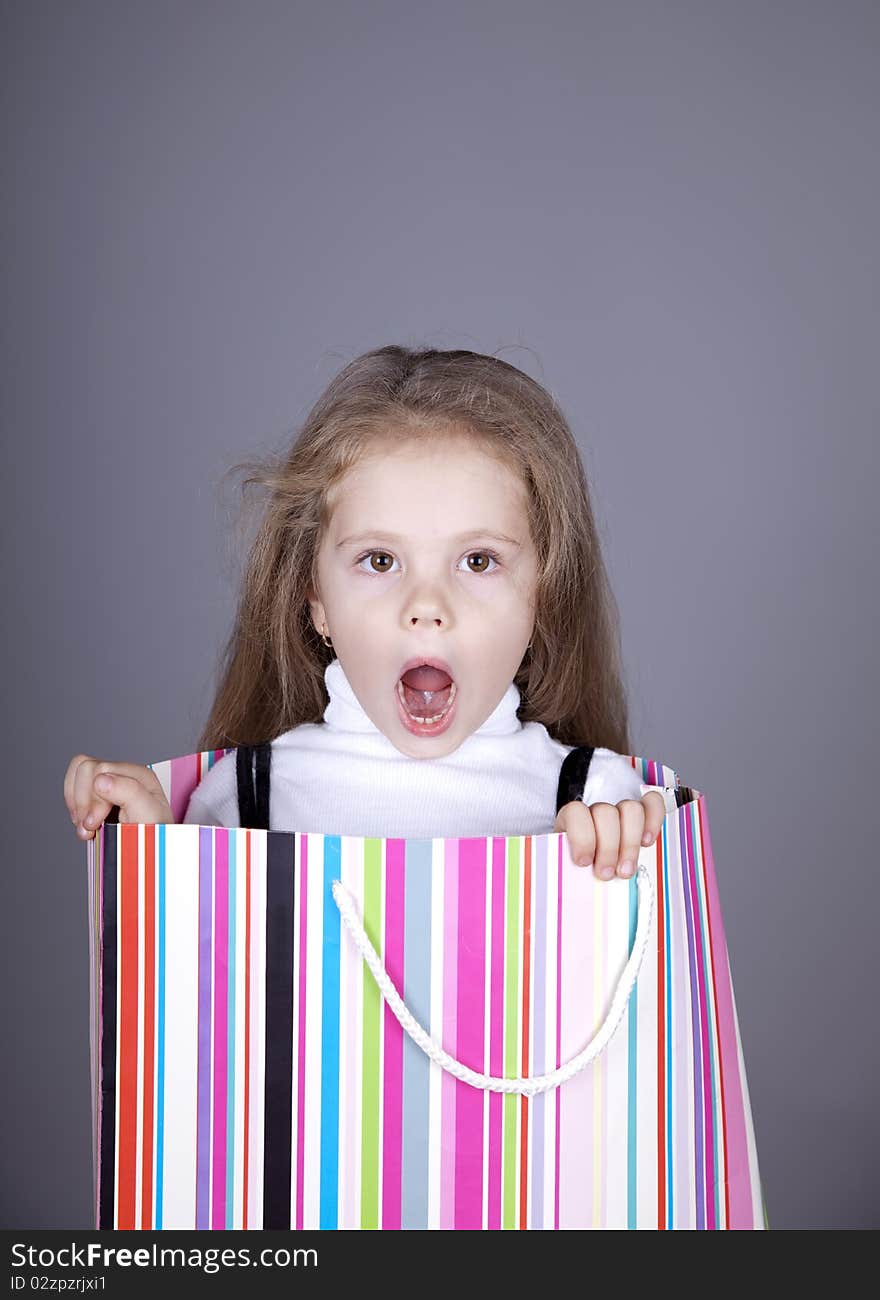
x: 511, y: 1035
x: 372, y: 1008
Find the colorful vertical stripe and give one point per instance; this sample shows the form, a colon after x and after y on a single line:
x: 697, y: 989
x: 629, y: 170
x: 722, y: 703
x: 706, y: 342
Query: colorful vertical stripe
x: 248, y: 1073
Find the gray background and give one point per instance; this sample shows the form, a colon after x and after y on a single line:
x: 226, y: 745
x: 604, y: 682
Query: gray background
x: 668, y: 214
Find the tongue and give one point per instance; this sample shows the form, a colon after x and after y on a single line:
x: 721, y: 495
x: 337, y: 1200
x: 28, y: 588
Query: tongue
x: 426, y: 691
x: 426, y: 679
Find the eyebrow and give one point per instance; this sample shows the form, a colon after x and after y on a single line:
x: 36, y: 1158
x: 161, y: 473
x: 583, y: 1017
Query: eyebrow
x: 381, y: 535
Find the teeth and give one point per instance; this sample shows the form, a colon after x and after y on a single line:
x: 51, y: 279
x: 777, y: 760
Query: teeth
x: 437, y: 716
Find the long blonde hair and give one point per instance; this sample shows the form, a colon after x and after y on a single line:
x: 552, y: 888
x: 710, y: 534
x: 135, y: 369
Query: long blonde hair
x: 272, y: 668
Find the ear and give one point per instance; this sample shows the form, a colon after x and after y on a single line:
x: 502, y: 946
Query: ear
x: 316, y: 607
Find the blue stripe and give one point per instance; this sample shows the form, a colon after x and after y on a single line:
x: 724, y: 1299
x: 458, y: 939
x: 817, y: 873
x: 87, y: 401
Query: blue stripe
x: 711, y: 1027
x: 230, y: 1047
x: 160, y: 1065
x: 668, y: 1010
x: 632, y: 1072
x: 330, y: 1040
x: 696, y: 1020
x: 416, y: 1065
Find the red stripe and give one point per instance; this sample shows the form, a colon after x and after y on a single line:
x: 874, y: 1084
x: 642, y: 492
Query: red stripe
x: 128, y: 1022
x: 524, y: 1101
x: 700, y: 815
x: 148, y: 1136
x: 392, y: 1100
x: 661, y: 1042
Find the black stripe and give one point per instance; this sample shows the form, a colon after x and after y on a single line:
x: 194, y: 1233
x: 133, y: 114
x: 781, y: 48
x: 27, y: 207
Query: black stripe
x: 253, y: 788
x: 247, y: 809
x: 277, y: 1135
x: 264, y: 762
x: 107, y: 1171
x: 573, y: 775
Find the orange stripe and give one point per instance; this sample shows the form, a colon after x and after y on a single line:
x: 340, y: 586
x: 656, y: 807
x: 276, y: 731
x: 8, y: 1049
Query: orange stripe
x: 524, y: 1101
x: 718, y: 1053
x: 147, y: 1134
x: 661, y: 1043
x: 247, y: 1021
x: 128, y: 1023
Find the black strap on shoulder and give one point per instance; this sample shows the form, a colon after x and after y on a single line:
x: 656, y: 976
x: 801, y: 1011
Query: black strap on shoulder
x: 573, y: 775
x: 252, y: 768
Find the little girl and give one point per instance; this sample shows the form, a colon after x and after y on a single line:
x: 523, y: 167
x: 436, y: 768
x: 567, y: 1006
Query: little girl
x: 425, y: 630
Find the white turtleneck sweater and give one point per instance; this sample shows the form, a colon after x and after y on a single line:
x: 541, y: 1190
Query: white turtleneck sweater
x: 343, y: 776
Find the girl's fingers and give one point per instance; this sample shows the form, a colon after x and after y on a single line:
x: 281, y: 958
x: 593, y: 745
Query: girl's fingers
x: 632, y: 825
x: 92, y: 809
x: 575, y: 820
x: 98, y: 786
x: 93, y: 819
x: 78, y: 784
x: 109, y: 789
x: 607, y: 825
x: 69, y: 779
x: 655, y: 814
x: 83, y: 793
x: 605, y: 834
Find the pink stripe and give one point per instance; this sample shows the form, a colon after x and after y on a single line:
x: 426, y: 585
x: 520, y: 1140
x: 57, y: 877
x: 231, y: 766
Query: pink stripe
x: 684, y: 1184
x: 601, y: 904
x: 471, y: 1030
x: 558, y: 1021
x: 576, y: 1095
x: 742, y: 1213
x: 96, y: 861
x: 221, y: 1030
x: 450, y: 1008
x: 186, y: 773
x: 301, y: 1046
x: 392, y: 1132
x: 496, y: 1030
x: 353, y: 972
x: 702, y: 1121
x: 256, y: 1018
x: 254, y: 1136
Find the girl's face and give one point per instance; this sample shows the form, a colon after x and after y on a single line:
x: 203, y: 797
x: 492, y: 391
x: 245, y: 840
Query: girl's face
x: 427, y: 553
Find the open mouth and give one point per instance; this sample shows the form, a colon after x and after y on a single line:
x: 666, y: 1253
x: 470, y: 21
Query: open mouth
x: 426, y: 706
x: 427, y: 696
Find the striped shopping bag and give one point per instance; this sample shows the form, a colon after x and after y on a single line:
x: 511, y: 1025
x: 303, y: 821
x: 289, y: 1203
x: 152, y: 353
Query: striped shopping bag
x: 315, y: 1031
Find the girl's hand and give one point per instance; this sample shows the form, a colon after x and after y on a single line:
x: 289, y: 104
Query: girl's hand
x: 135, y: 790
x: 610, y: 836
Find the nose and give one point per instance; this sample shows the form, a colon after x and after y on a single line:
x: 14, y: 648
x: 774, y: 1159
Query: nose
x: 427, y: 607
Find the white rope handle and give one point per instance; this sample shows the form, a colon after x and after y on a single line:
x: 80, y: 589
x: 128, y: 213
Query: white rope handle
x: 529, y: 1087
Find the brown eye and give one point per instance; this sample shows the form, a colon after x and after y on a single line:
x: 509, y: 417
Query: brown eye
x: 384, y: 555
x: 483, y: 555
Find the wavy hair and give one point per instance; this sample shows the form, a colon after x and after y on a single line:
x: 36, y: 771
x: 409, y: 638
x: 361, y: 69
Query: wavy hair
x: 271, y: 675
